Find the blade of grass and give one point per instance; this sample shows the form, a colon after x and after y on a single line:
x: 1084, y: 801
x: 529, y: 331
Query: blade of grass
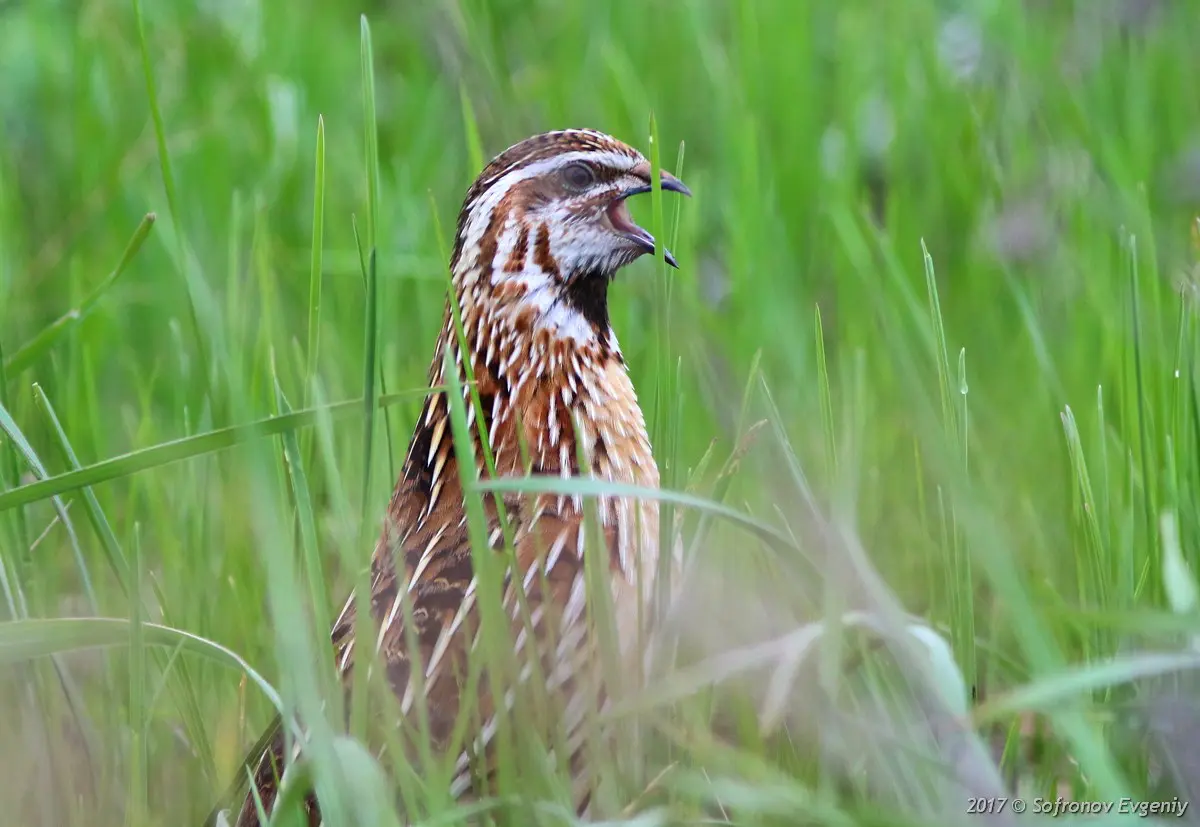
x: 362, y: 594
x: 66, y: 681
x: 9, y: 426
x: 32, y: 350
x: 17, y: 524
x: 831, y: 462
x: 112, y: 550
x: 312, y: 350
x: 185, y: 448
x: 135, y: 814
x: 726, y: 476
x: 668, y: 402
x: 185, y: 692
x: 955, y: 423
x: 1147, y: 463
x: 601, y: 616
x: 310, y: 548
x: 371, y: 138
x: 582, y: 487
x: 168, y: 179
x: 471, y: 128
x: 24, y: 640
x: 1091, y: 574
x: 496, y: 663
x: 294, y: 636
x: 358, y: 704
x: 1076, y: 683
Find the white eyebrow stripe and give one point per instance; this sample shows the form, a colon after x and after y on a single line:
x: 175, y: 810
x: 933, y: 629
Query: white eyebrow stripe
x: 604, y: 157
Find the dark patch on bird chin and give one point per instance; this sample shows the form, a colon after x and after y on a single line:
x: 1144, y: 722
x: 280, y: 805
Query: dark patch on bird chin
x: 587, y: 294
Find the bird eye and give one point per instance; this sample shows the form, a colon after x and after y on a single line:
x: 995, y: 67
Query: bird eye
x: 578, y: 175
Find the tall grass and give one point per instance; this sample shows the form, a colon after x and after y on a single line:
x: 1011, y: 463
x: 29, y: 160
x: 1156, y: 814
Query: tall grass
x: 924, y: 390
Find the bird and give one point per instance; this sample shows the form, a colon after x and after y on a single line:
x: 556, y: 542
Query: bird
x: 540, y: 237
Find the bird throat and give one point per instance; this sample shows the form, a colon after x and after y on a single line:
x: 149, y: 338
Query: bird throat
x: 587, y: 294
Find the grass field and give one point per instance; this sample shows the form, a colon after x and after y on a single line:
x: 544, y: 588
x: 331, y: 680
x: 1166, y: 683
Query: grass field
x: 947, y: 254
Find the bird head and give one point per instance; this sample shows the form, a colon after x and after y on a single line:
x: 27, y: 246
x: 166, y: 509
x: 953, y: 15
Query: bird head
x: 546, y: 223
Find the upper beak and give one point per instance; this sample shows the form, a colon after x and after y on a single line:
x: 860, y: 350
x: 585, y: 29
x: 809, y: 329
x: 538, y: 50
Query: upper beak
x: 619, y: 213
x: 673, y: 184
x: 669, y: 182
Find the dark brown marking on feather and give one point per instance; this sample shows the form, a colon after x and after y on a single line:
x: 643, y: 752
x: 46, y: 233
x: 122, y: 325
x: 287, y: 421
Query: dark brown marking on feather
x: 607, y: 175
x: 343, y: 632
x: 446, y: 592
x: 492, y: 383
x: 460, y: 234
x: 383, y: 595
x: 487, y: 404
x: 508, y: 291
x: 523, y: 322
x: 490, y: 241
x: 483, y: 333
x: 542, y: 257
x: 398, y: 672
x: 266, y: 781
x: 552, y: 467
x: 516, y: 259
x: 600, y: 458
x: 417, y: 469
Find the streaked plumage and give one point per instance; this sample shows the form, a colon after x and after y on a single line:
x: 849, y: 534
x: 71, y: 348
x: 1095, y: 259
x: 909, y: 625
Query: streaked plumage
x: 541, y: 234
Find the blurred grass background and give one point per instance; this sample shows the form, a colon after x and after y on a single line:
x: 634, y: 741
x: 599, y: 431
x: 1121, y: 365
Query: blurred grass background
x: 1045, y: 154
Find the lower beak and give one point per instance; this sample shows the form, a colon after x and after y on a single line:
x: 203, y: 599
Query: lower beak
x: 618, y: 214
x: 622, y: 222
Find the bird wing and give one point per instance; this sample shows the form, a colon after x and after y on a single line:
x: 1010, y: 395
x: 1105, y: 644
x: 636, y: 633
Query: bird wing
x: 423, y: 590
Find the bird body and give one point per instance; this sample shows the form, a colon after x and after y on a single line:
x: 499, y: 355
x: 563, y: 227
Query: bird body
x: 541, y: 234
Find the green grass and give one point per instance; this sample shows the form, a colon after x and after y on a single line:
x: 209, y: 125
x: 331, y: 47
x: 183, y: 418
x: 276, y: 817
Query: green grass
x: 963, y: 304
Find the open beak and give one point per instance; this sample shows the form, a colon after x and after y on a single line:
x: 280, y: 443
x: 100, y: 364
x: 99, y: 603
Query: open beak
x: 618, y: 211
